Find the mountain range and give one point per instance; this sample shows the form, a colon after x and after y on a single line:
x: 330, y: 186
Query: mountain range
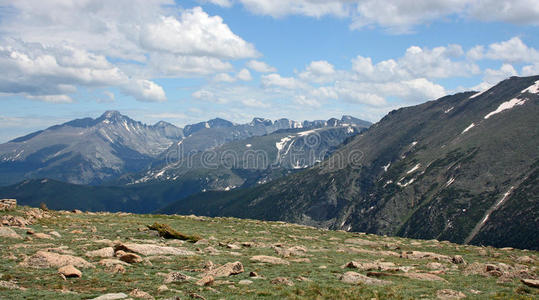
x: 462, y: 168
x: 96, y: 151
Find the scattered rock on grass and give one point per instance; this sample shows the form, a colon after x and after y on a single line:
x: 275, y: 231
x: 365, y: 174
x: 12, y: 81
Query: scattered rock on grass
x: 245, y: 282
x: 531, y: 283
x: 269, y: 259
x: 447, y: 294
x: 227, y: 270
x: 111, y: 296
x: 104, y: 252
x: 136, y: 293
x: 205, y: 281
x: 7, y: 232
x: 43, y: 259
x: 282, y: 280
x: 176, y: 277
x: 128, y: 257
x: 355, y: 278
x: 70, y: 271
x: 150, y: 249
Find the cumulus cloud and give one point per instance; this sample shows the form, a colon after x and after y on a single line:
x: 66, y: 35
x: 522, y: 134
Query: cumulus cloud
x: 513, y: 50
x: 260, y: 66
x: 209, y: 96
x: 276, y: 80
x: 251, y: 102
x: 318, y: 71
x: 100, y: 43
x: 195, y: 33
x: 244, y: 75
x: 399, y: 16
x: 439, y: 62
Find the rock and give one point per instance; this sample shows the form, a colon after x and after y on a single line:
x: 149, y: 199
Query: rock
x: 131, y: 258
x: 370, y: 266
x: 282, y: 280
x: 111, y: 296
x: 9, y: 285
x: 447, y: 294
x: 360, y: 242
x: 205, y: 281
x: 233, y: 247
x: 104, y: 252
x: 355, y: 278
x: 457, y: 259
x: 55, y: 233
x: 77, y: 231
x: 162, y: 288
x: 525, y: 260
x: 76, y: 211
x: 226, y: 270
x: 150, y: 249
x: 136, y: 293
x: 253, y: 274
x: 176, y: 277
x: 245, y: 282
x: 8, y: 204
x: 531, y: 283
x: 423, y: 276
x: 7, y: 232
x: 115, y: 269
x: 435, y: 266
x: 111, y: 262
x: 70, y: 271
x: 43, y: 259
x: 425, y: 255
x: 40, y: 235
x: 15, y: 221
x: 269, y: 259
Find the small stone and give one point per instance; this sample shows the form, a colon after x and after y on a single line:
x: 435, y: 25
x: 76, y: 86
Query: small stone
x: 111, y: 296
x: 70, y: 271
x: 175, y: 277
x: 104, y: 252
x: 7, y: 232
x: 227, y: 270
x: 282, y: 280
x: 131, y: 258
x: 162, y: 288
x: 205, y: 281
x: 136, y: 293
x: 525, y: 260
x: 55, y: 233
x: 40, y: 235
x: 355, y: 278
x: 447, y: 294
x: 116, y: 269
x: 253, y: 274
x: 269, y: 259
x: 457, y: 259
x: 245, y: 282
x: 531, y: 283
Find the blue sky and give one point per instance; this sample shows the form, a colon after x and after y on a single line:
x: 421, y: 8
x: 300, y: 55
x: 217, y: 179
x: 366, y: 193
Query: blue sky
x: 188, y: 61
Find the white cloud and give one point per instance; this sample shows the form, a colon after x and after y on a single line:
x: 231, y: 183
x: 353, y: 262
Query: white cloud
x: 311, y: 8
x: 439, y: 62
x: 108, y: 97
x: 318, y: 71
x: 223, y: 3
x: 145, y: 90
x: 244, y: 75
x: 250, y: 102
x: 275, y: 80
x: 223, y: 77
x: 513, y: 50
x: 260, y: 66
x: 205, y: 95
x: 401, y: 16
x: 101, y: 43
x: 195, y: 34
x: 305, y: 101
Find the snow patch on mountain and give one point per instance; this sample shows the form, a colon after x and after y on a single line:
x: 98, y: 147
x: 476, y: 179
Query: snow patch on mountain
x: 468, y: 128
x: 506, y: 105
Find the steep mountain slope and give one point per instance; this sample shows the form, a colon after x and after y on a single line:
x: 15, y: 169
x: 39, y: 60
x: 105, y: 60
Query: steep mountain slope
x: 86, y: 150
x: 458, y: 168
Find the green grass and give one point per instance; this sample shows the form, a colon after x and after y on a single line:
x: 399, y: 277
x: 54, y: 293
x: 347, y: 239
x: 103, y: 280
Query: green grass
x: 325, y: 248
